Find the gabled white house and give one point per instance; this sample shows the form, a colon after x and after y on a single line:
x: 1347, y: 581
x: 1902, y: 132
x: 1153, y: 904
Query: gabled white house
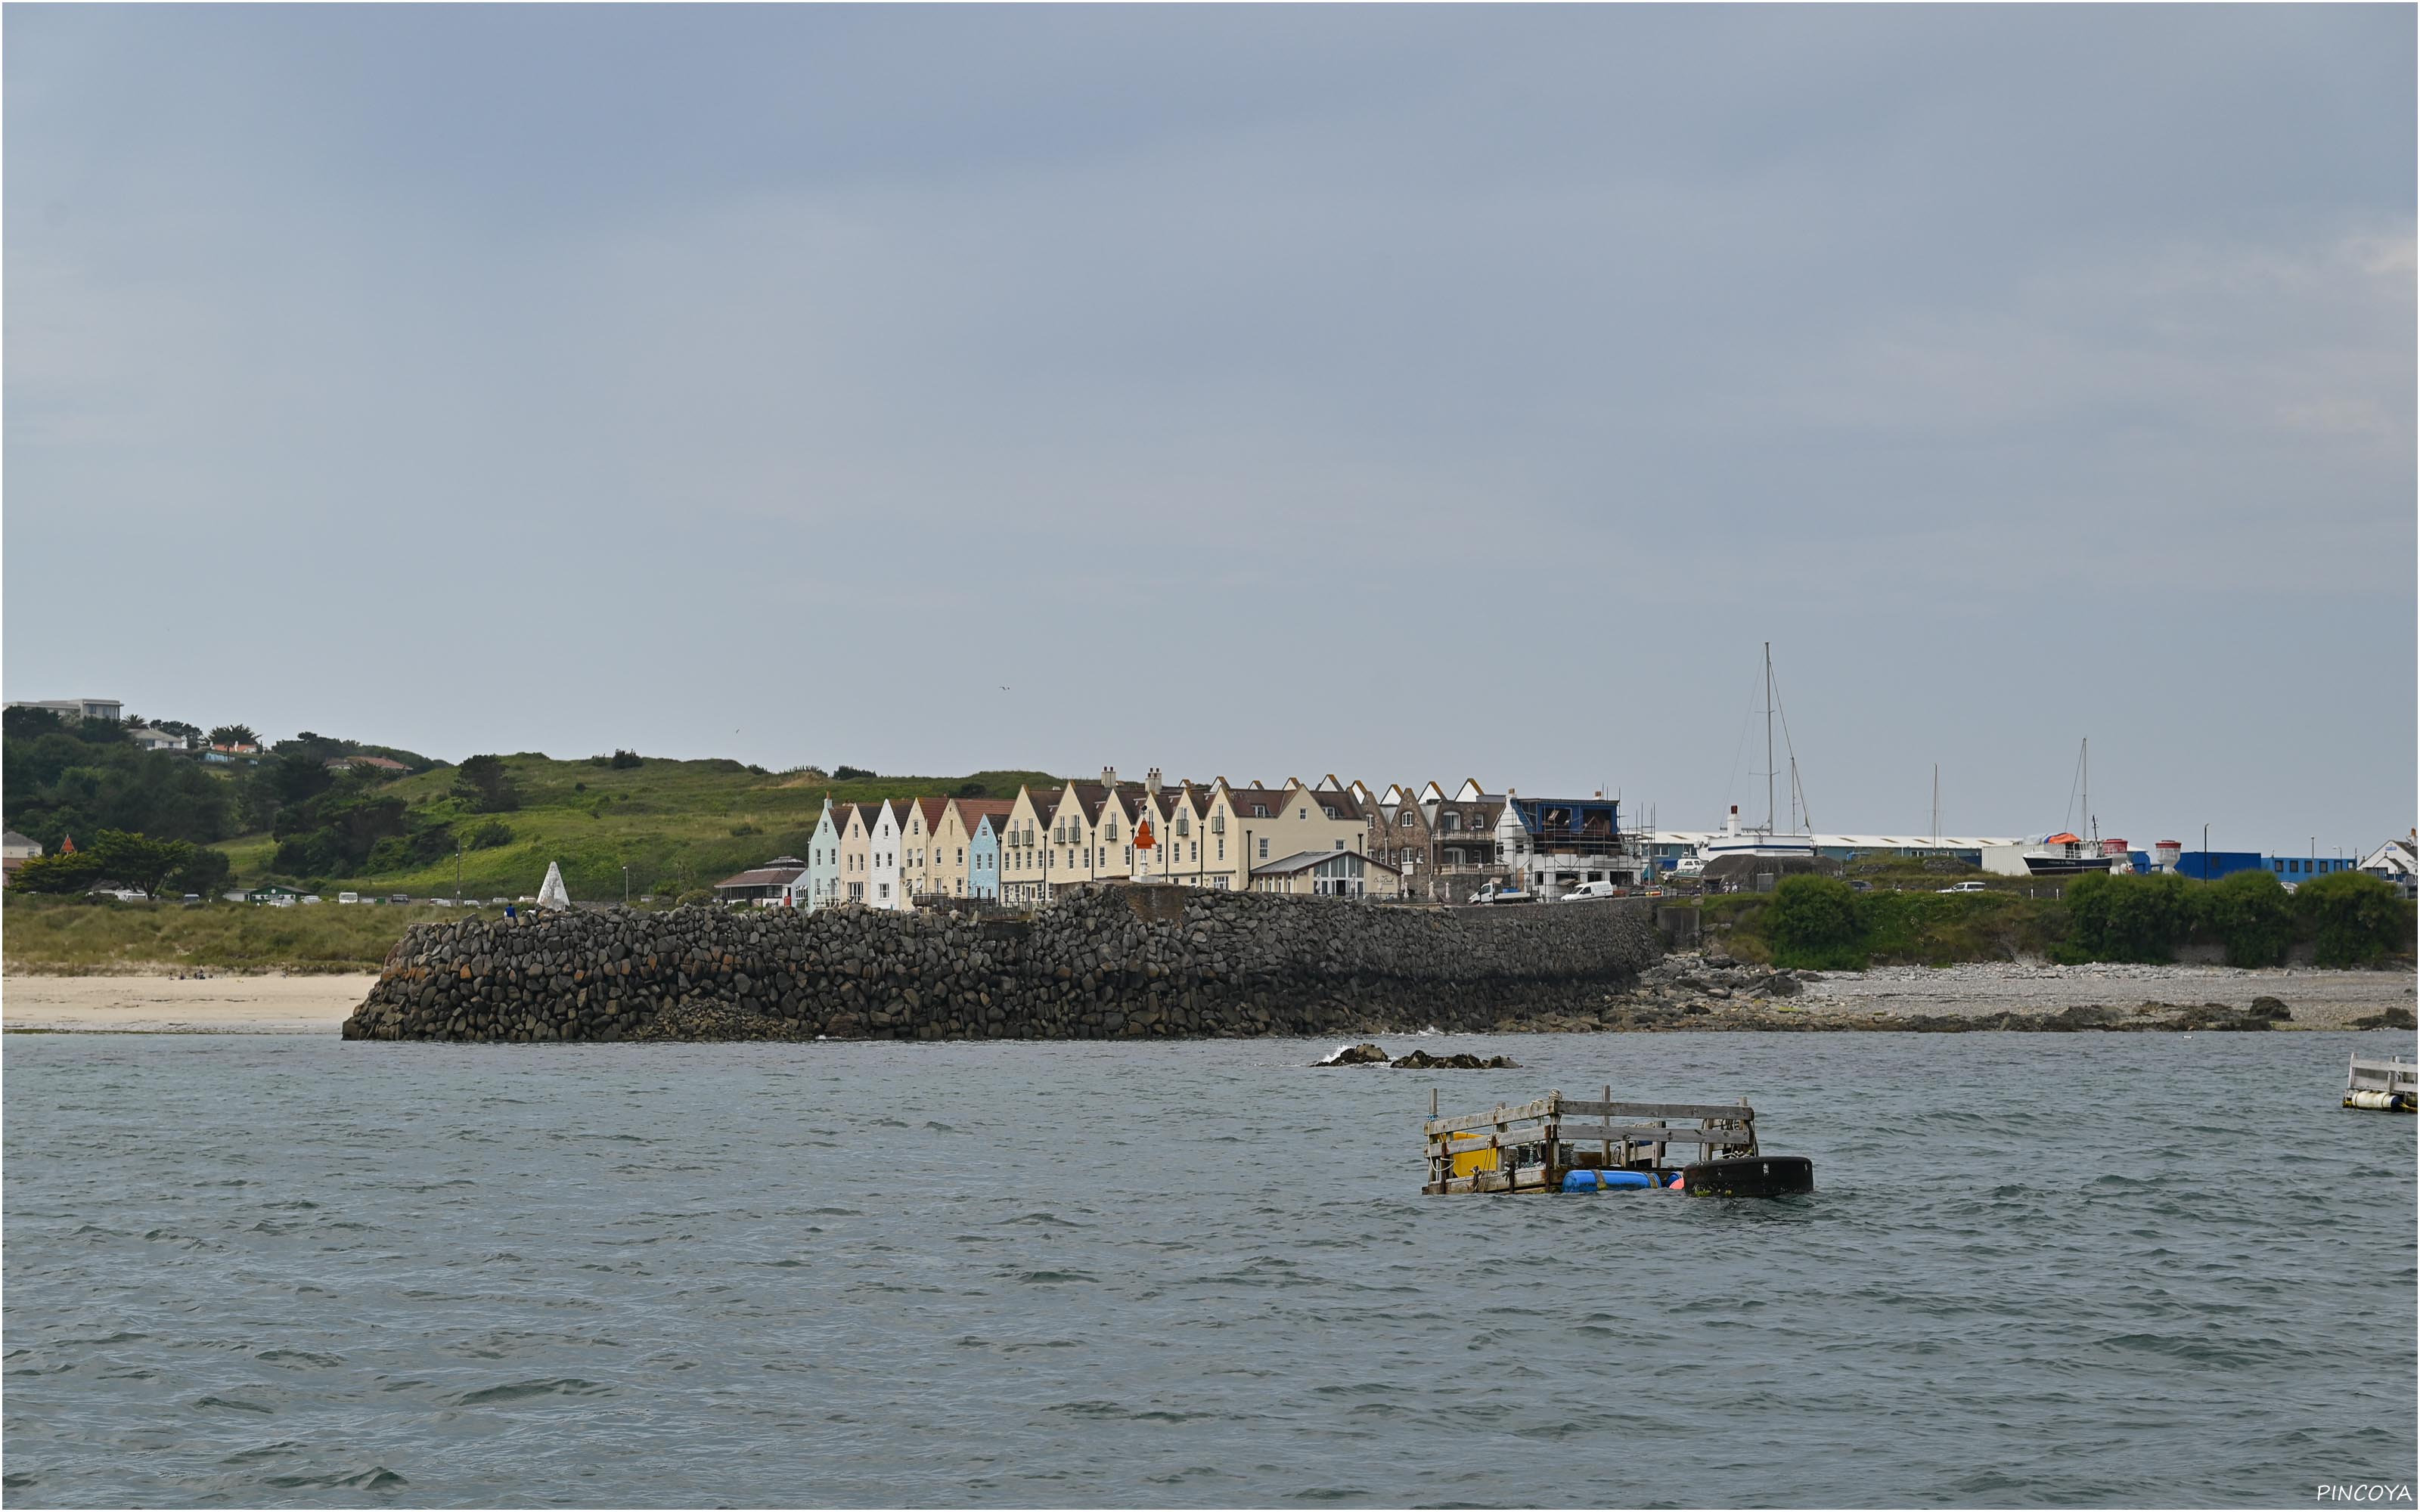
x: 884, y: 889
x: 820, y: 882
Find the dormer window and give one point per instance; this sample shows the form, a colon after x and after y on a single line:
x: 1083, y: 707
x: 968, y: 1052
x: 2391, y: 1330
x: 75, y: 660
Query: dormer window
x: 1260, y: 810
x: 1327, y: 809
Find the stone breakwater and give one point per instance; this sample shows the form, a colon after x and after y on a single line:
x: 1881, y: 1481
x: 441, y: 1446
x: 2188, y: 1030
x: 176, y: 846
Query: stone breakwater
x: 1103, y: 962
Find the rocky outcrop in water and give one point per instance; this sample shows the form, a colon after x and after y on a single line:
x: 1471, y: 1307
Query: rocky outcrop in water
x: 1107, y: 961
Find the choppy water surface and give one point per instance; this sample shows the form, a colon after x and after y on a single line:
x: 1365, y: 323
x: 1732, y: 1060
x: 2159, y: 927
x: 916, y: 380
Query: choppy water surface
x: 2070, y: 1269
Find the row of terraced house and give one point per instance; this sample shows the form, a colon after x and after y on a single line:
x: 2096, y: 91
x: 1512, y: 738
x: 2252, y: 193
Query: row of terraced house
x: 1325, y: 838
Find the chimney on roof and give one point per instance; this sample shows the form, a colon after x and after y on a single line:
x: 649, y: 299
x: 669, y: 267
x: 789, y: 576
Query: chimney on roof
x: 1151, y: 781
x: 1109, y: 777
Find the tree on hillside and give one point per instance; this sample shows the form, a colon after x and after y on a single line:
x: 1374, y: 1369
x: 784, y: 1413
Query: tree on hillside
x: 205, y: 872
x: 178, y: 727
x: 56, y: 785
x: 57, y: 872
x: 138, y: 860
x: 31, y: 724
x: 112, y: 856
x: 484, y: 784
x: 851, y: 774
x: 233, y: 734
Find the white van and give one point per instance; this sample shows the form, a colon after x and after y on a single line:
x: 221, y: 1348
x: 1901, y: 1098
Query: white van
x: 1587, y: 891
x: 349, y: 897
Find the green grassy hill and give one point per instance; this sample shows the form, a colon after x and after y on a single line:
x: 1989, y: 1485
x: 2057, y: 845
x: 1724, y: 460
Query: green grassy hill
x: 677, y: 826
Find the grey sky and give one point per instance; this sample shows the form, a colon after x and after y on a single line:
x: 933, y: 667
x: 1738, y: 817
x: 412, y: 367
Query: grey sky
x: 1256, y: 392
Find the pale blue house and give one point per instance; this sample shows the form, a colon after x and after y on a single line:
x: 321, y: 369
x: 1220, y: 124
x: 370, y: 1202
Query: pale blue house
x: 983, y: 858
x: 820, y: 881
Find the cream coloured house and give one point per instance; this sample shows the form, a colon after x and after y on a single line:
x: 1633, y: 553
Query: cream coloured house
x: 1028, y: 848
x: 856, y: 851
x: 951, y: 873
x: 921, y: 821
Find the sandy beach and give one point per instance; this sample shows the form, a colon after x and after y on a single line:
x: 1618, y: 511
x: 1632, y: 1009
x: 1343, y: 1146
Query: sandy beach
x: 168, y: 1005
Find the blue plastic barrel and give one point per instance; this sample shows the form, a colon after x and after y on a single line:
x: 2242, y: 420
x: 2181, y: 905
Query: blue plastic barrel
x: 1605, y: 1181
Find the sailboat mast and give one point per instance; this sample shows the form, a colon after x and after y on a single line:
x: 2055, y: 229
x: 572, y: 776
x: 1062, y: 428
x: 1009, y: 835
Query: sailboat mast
x: 1768, y: 737
x: 2084, y: 765
x: 1936, y: 803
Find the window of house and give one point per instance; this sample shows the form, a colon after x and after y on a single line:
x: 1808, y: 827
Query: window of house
x: 1129, y: 855
x: 1222, y: 850
x: 1265, y: 847
x: 1327, y: 809
x: 1260, y: 810
x: 1219, y: 823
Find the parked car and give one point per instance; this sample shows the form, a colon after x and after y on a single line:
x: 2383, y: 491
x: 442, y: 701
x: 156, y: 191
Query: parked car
x: 398, y: 897
x: 1966, y: 886
x: 281, y: 903
x: 349, y: 897
x: 1587, y: 891
x: 313, y: 898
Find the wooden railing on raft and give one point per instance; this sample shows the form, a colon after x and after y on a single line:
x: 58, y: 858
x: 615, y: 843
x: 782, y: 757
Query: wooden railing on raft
x: 1530, y: 1148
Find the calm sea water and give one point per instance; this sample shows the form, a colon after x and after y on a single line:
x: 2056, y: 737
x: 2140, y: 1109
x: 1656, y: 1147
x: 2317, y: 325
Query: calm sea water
x: 2150, y: 1270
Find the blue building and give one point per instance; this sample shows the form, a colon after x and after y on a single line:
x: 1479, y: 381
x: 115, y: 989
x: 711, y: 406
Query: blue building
x: 983, y: 858
x: 2295, y: 870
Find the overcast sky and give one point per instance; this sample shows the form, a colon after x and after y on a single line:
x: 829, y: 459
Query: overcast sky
x: 1256, y: 392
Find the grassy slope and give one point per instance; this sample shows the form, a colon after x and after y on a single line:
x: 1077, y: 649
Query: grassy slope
x: 670, y: 821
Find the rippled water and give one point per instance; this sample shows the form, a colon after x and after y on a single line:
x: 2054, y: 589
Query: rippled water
x: 2068, y: 1269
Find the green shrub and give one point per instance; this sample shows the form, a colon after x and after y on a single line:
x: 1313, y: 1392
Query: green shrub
x: 488, y: 837
x: 2250, y: 913
x: 1812, y: 922
x: 2126, y: 918
x: 2355, y: 920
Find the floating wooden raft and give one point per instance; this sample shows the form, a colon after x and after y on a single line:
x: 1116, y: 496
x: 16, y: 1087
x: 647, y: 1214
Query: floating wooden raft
x: 2387, y: 1085
x: 1532, y: 1147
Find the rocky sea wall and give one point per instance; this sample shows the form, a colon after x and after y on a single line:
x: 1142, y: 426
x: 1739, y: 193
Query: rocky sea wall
x: 1106, y: 961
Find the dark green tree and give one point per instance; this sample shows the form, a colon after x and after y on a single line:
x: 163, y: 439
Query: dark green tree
x: 2354, y: 919
x: 31, y: 724
x: 233, y: 734
x: 138, y: 860
x: 485, y: 786
x: 2126, y: 918
x: 52, y: 873
x: 2250, y: 913
x: 206, y: 872
x: 1812, y: 922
